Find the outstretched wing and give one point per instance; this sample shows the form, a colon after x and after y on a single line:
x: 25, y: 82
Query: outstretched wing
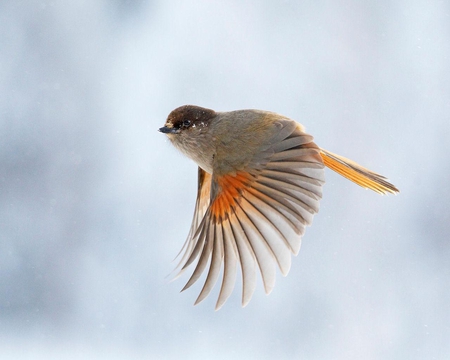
x: 256, y: 216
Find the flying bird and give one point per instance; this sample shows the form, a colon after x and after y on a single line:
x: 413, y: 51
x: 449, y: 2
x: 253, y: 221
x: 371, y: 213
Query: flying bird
x: 260, y: 178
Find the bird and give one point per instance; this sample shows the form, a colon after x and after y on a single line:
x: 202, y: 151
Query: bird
x: 260, y: 179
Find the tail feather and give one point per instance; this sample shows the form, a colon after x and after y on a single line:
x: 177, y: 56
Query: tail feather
x: 356, y: 173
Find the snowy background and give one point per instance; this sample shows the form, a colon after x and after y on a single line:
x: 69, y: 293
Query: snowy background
x: 95, y: 203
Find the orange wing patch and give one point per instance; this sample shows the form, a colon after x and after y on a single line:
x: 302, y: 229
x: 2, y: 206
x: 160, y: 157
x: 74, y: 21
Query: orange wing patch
x: 230, y: 190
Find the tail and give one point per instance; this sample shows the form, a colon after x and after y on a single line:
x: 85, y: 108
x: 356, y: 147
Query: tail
x: 356, y: 173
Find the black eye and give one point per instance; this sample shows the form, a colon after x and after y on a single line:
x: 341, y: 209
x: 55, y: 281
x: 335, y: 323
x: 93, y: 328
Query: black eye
x: 186, y: 123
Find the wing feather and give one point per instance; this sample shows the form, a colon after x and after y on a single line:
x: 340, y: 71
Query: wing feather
x: 257, y: 211
x: 216, y: 262
x: 201, y: 205
x: 263, y: 252
x: 230, y: 265
x: 203, y: 260
x: 246, y: 258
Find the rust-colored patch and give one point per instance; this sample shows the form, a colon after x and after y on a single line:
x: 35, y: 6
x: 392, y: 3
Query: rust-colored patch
x: 231, y: 187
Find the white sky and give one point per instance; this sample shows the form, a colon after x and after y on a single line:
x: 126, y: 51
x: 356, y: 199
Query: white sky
x: 95, y: 203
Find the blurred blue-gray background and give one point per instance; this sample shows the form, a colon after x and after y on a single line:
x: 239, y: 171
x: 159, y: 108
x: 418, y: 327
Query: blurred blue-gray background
x: 95, y: 203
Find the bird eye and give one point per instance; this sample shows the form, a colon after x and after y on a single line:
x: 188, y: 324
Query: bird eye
x: 186, y: 123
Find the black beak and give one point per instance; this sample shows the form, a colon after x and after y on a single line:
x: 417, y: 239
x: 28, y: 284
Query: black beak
x: 168, y: 130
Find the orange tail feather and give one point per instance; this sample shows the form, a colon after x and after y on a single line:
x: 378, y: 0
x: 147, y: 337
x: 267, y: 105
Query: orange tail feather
x: 356, y: 173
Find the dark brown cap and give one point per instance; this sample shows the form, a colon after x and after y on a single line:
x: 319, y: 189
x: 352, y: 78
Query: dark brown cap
x: 187, y: 116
